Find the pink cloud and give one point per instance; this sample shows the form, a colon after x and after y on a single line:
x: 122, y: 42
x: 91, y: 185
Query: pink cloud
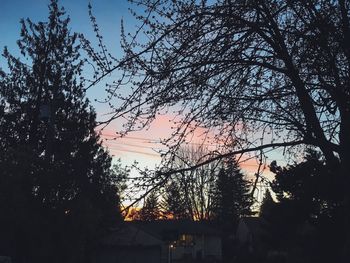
x: 146, y: 143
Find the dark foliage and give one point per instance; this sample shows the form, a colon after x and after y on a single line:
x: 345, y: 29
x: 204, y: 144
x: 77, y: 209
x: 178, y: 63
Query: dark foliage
x: 58, y: 191
x: 311, y: 184
x: 174, y: 205
x: 150, y: 210
x: 308, y: 217
x: 232, y: 200
x: 232, y: 195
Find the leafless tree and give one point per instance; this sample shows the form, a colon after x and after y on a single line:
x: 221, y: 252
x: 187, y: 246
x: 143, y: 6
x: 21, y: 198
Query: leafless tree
x: 265, y: 73
x: 195, y: 186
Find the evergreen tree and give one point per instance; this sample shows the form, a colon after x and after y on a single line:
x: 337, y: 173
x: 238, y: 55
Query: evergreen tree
x: 310, y: 184
x: 58, y: 191
x: 267, y: 204
x: 309, y: 209
x: 150, y: 210
x: 232, y: 200
x: 224, y: 209
x: 231, y: 194
x: 174, y: 204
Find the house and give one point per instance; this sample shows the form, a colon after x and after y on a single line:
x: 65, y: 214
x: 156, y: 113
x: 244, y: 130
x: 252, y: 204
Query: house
x: 162, y: 241
x: 128, y: 244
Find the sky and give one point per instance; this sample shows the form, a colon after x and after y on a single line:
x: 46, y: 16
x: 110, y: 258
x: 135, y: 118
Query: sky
x: 109, y: 14
x: 140, y: 146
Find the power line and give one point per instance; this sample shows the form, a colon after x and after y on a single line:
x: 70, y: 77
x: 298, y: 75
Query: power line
x: 134, y: 151
x: 152, y: 140
x: 130, y: 144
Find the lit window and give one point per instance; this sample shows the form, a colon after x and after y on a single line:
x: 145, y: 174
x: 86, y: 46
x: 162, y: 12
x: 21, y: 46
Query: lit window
x: 186, y: 240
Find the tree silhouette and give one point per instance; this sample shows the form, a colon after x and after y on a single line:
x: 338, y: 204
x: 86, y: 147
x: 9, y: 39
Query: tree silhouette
x: 232, y: 200
x: 266, y: 204
x: 58, y: 189
x: 150, y: 210
x: 309, y: 183
x: 195, y: 186
x: 308, y: 198
x: 232, y: 195
x: 173, y: 204
x: 276, y: 70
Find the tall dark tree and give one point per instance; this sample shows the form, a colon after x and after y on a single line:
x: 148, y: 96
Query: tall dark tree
x: 266, y: 204
x: 150, y: 210
x: 309, y: 183
x: 279, y: 69
x: 232, y: 200
x: 173, y: 202
x: 58, y: 190
x: 232, y: 195
x: 308, y: 198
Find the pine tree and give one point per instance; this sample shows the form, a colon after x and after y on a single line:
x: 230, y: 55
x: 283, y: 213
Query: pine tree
x: 57, y: 184
x: 174, y: 204
x: 150, y: 210
x: 232, y: 200
x: 267, y: 204
x: 231, y: 194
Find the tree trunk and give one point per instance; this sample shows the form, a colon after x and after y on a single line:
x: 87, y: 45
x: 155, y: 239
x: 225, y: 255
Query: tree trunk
x: 345, y: 168
x: 345, y: 177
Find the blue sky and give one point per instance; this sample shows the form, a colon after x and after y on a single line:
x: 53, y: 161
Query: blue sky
x: 109, y: 14
x: 138, y: 146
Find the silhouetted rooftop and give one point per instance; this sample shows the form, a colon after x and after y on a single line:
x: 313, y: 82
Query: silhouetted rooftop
x: 155, y: 232
x: 162, y: 228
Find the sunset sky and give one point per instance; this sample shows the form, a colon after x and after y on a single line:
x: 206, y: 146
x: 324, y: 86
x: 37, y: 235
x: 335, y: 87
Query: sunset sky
x: 141, y: 146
